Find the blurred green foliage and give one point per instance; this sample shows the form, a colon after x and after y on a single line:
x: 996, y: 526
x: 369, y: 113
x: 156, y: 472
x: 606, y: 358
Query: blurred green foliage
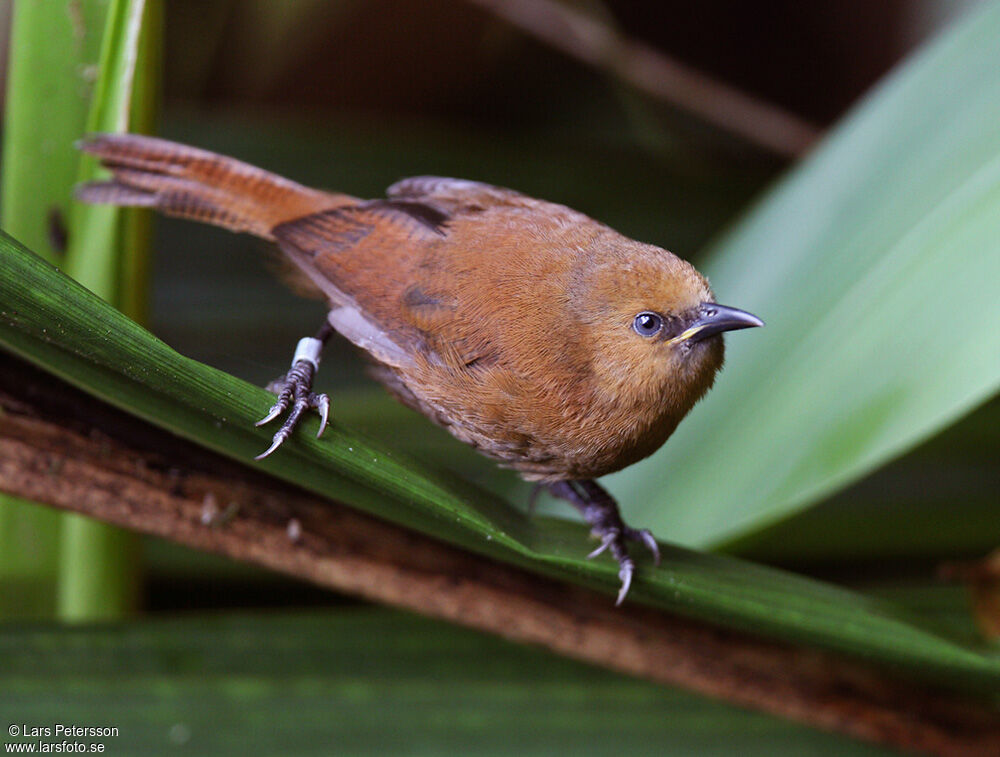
x: 361, y: 682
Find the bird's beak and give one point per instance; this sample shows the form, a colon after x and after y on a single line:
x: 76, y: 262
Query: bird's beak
x: 713, y: 318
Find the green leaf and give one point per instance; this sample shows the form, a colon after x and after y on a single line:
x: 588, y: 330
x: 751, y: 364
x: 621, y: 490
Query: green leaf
x: 57, y: 324
x: 93, y: 256
x: 108, y: 247
x: 934, y: 504
x: 876, y: 265
x: 53, y: 69
x: 359, y: 683
x: 54, y: 49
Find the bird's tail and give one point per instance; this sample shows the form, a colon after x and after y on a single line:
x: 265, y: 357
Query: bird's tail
x: 191, y: 183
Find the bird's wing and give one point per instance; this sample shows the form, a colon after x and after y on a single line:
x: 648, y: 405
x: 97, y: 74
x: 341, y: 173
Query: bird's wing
x: 456, y: 196
x: 384, y: 266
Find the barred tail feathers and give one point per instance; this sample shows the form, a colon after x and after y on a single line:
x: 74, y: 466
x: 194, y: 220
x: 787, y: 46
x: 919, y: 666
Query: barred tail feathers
x: 200, y: 185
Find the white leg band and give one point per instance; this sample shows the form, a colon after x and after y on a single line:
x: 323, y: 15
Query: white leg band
x: 308, y: 349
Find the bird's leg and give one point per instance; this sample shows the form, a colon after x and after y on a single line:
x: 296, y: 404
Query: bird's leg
x: 295, y: 389
x: 600, y: 510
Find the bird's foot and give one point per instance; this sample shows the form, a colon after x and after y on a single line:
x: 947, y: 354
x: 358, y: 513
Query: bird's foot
x: 601, y: 511
x: 294, y: 390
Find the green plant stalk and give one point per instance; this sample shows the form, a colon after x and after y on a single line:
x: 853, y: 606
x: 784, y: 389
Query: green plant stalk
x: 29, y: 558
x: 54, y: 48
x: 109, y: 252
x: 137, y: 225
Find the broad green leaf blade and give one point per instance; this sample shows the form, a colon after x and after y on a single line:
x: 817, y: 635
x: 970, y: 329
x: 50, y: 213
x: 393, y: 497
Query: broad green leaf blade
x: 57, y: 324
x: 937, y: 503
x: 876, y: 265
x: 360, y: 683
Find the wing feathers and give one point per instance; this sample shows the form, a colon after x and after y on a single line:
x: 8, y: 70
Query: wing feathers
x: 455, y: 196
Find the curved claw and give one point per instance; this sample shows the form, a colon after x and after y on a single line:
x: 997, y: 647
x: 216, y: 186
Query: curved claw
x: 293, y: 391
x: 625, y: 574
x: 276, y: 409
x: 646, y: 537
x: 601, y: 512
x: 605, y: 543
x: 275, y: 443
x: 322, y: 403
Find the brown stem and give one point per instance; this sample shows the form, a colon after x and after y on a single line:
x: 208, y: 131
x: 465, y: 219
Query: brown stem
x: 651, y: 71
x: 62, y: 448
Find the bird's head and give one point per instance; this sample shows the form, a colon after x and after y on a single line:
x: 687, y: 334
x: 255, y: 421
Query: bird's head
x: 655, y: 326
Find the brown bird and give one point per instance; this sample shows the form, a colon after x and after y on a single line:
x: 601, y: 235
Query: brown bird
x: 541, y: 337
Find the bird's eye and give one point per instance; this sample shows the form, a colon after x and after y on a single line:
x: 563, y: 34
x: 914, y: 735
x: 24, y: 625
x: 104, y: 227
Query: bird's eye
x: 648, y: 324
